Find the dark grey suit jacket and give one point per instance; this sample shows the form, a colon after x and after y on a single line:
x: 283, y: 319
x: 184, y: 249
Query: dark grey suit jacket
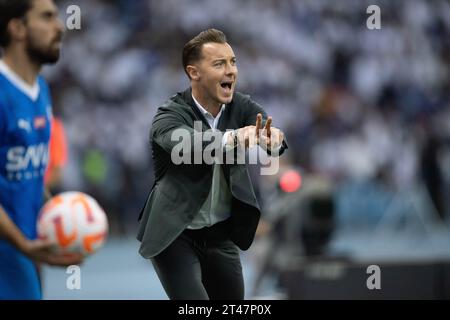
x: 179, y: 191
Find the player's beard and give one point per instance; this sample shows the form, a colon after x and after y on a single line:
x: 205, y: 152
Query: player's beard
x: 43, y: 55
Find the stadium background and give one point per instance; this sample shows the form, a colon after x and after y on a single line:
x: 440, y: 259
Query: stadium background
x: 366, y: 110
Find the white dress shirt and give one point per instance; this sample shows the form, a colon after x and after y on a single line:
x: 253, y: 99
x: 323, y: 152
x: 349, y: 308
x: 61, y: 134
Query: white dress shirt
x: 217, y: 205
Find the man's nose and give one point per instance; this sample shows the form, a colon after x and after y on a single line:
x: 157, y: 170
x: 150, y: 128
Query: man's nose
x: 230, y: 69
x: 59, y: 26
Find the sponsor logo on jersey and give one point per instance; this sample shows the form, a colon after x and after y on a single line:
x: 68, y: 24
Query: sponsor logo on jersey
x: 40, y: 122
x: 27, y: 162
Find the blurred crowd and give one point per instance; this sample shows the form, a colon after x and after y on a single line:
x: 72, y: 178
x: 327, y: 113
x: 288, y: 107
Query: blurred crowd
x: 369, y: 110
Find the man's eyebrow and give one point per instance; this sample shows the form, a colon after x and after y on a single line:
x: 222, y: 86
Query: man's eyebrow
x: 223, y: 59
x: 49, y: 12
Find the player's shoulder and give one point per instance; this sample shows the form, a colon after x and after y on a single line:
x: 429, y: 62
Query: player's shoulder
x: 3, y: 101
x: 3, y: 91
x: 4, y: 84
x: 177, y: 103
x: 241, y: 98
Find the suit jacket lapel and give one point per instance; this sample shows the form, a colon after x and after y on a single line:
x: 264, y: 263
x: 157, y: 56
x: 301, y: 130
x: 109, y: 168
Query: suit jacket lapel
x: 187, y: 97
x: 224, y: 120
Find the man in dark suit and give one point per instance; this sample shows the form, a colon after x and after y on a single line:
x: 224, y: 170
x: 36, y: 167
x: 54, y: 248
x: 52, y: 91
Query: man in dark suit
x: 199, y: 213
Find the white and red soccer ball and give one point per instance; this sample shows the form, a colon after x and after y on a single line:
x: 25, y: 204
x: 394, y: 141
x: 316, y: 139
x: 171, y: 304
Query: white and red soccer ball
x: 74, y: 221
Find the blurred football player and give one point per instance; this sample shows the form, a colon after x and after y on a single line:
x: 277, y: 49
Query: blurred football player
x: 30, y: 36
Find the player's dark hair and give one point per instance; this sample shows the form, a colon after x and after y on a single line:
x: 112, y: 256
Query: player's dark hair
x: 11, y: 9
x: 193, y: 48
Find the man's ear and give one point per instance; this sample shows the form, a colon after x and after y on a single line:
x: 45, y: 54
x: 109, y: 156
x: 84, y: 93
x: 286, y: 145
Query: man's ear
x: 16, y: 29
x: 193, y: 72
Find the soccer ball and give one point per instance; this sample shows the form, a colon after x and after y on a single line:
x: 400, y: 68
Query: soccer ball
x: 74, y: 221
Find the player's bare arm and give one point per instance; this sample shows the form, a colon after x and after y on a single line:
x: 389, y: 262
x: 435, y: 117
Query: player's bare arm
x: 38, y: 250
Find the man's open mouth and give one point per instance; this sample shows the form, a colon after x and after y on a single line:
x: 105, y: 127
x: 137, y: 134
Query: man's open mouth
x: 227, y: 85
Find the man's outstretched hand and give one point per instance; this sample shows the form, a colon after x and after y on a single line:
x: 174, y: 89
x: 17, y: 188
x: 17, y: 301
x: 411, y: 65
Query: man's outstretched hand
x: 268, y: 137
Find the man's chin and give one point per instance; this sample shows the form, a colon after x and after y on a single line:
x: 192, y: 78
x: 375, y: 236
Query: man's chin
x: 53, y: 59
x: 53, y: 56
x: 45, y: 58
x: 226, y: 99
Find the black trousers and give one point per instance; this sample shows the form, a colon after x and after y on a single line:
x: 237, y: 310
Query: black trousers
x: 201, y: 264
